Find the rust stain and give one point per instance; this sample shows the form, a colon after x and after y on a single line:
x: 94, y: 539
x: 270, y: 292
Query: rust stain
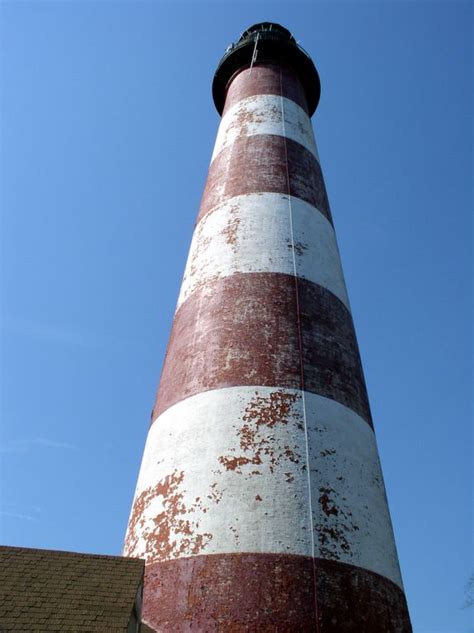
x: 215, y: 494
x: 333, y: 533
x: 171, y: 534
x: 327, y: 451
x: 258, y: 448
x: 235, y: 463
x: 201, y: 245
x: 231, y: 229
x: 327, y: 506
x: 298, y: 247
x: 243, y: 117
x: 332, y: 538
x: 235, y: 533
x: 272, y: 409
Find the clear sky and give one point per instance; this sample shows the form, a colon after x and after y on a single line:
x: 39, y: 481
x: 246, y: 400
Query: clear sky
x: 107, y: 127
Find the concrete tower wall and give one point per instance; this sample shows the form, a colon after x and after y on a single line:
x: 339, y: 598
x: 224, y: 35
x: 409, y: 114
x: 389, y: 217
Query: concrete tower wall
x: 260, y: 503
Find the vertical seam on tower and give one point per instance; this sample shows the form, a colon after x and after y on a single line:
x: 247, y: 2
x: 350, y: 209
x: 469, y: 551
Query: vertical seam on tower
x: 300, y: 345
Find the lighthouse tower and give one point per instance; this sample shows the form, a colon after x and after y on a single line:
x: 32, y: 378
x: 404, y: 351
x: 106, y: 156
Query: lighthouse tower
x: 260, y: 504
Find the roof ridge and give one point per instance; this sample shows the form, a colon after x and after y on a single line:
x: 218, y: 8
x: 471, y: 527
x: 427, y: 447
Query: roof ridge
x: 18, y: 548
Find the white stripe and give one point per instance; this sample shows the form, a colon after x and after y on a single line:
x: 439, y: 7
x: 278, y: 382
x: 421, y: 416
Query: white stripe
x: 251, y: 233
x: 261, y: 114
x: 236, y: 461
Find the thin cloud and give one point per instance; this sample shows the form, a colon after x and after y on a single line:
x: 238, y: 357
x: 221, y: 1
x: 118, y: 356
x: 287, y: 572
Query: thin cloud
x: 19, y: 516
x: 22, y: 446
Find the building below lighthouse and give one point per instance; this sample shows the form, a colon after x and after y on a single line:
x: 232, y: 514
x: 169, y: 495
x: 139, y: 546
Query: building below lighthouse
x: 260, y: 503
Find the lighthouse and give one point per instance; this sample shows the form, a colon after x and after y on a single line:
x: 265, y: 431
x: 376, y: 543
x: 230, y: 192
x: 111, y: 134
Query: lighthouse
x: 260, y: 503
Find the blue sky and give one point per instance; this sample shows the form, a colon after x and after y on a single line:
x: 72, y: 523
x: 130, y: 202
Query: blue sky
x: 107, y: 127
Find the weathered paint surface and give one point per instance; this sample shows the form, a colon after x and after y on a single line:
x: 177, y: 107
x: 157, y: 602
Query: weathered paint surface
x: 247, y: 489
x: 245, y: 330
x: 231, y: 501
x: 253, y: 233
x: 260, y: 163
x: 274, y: 593
x: 266, y: 114
x: 265, y: 79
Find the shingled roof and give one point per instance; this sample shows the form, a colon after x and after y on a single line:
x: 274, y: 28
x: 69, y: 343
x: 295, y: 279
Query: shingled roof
x: 47, y: 590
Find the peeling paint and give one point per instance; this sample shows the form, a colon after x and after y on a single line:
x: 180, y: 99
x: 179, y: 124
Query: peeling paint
x: 276, y: 407
x: 231, y: 230
x: 252, y: 233
x: 262, y: 114
x: 258, y: 448
x: 165, y: 533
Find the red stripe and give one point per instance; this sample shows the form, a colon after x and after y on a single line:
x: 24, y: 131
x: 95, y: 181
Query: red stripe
x: 265, y: 80
x: 243, y: 330
x: 255, y: 164
x: 270, y: 592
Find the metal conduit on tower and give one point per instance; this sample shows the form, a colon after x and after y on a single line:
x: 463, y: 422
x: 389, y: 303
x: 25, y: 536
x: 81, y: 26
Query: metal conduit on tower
x: 260, y: 504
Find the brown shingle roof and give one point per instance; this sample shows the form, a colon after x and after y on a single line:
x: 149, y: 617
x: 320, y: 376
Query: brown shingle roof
x: 46, y: 590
